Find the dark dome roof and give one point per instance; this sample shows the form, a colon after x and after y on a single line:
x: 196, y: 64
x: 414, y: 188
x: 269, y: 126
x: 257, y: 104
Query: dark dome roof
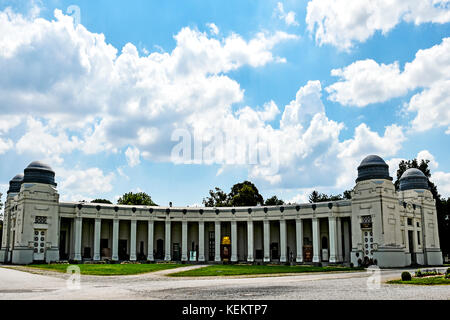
x: 39, y: 172
x: 18, y: 177
x: 15, y: 184
x: 39, y: 165
x: 413, y: 179
x: 372, y: 159
x: 373, y: 167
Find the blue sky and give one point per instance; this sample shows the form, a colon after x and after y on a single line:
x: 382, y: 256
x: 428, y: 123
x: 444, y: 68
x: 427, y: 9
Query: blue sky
x: 101, y: 110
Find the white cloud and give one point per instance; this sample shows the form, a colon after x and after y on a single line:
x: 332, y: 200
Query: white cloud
x: 289, y: 17
x: 306, y: 105
x: 133, y: 156
x: 40, y: 140
x: 8, y: 122
x: 365, y: 82
x: 426, y: 155
x: 302, y: 197
x: 343, y: 23
x: 442, y: 181
x: 109, y: 99
x: 96, y: 99
x: 78, y: 184
x: 213, y: 28
x: 5, y: 145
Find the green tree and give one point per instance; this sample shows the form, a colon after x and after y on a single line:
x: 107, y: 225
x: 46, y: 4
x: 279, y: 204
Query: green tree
x: 245, y: 194
x: 316, y: 196
x: 348, y: 194
x: 217, y: 198
x: 1, y: 202
x: 274, y: 201
x: 101, y: 201
x: 138, y: 199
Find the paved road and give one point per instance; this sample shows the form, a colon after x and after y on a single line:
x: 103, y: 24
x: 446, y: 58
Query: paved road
x: 16, y: 284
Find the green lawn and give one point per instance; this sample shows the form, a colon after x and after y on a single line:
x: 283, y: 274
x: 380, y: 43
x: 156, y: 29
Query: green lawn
x: 109, y: 269
x: 426, y: 281
x: 234, y: 270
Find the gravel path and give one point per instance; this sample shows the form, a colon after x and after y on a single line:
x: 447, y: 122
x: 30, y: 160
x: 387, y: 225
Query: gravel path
x: 17, y: 284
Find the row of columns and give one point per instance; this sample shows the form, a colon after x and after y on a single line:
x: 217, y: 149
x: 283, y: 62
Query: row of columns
x: 334, y: 225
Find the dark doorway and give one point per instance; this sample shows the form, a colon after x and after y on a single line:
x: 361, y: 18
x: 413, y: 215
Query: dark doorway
x: 104, y: 248
x: 123, y: 244
x: 159, y: 249
x: 411, y: 247
x: 274, y: 251
x: 62, y: 246
x: 324, y: 243
x: 176, y: 252
x: 141, y: 255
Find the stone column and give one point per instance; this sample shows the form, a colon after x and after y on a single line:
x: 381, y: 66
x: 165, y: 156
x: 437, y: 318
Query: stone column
x: 299, y: 238
x: 234, y: 243
x: 97, y: 234
x: 340, y: 256
x: 151, y: 227
x: 266, y: 241
x: 250, y: 238
x: 283, y: 239
x: 115, y: 243
x: 184, y: 240
x: 316, y: 239
x: 333, y: 239
x: 201, y: 241
x: 217, y: 234
x: 168, y: 255
x: 78, y: 235
x: 133, y: 240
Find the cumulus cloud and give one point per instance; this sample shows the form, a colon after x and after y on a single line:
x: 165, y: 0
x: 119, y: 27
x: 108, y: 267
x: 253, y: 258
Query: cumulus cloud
x: 442, y: 181
x: 287, y: 17
x: 78, y: 184
x: 43, y: 141
x: 366, y: 82
x: 5, y: 145
x: 72, y: 80
x: 343, y: 23
x: 95, y: 98
x: 133, y: 156
x: 213, y: 28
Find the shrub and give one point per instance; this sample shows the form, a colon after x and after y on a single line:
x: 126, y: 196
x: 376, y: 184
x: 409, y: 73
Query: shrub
x: 419, y: 273
x: 447, y: 272
x: 352, y: 265
x: 406, y: 276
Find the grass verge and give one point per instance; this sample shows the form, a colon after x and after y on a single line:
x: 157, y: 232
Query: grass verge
x: 236, y: 270
x: 109, y: 269
x: 426, y: 281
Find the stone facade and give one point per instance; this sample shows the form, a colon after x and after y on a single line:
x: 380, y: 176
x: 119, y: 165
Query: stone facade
x: 379, y: 226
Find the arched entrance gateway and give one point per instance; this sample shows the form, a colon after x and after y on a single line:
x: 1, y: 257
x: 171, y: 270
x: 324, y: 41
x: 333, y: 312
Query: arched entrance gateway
x: 390, y: 228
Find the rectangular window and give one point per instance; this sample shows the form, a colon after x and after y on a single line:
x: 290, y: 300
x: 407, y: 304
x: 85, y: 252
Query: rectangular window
x: 410, y: 222
x: 418, y: 238
x: 40, y: 220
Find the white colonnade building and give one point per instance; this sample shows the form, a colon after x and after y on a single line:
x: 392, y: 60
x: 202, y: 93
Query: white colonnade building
x: 378, y: 226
